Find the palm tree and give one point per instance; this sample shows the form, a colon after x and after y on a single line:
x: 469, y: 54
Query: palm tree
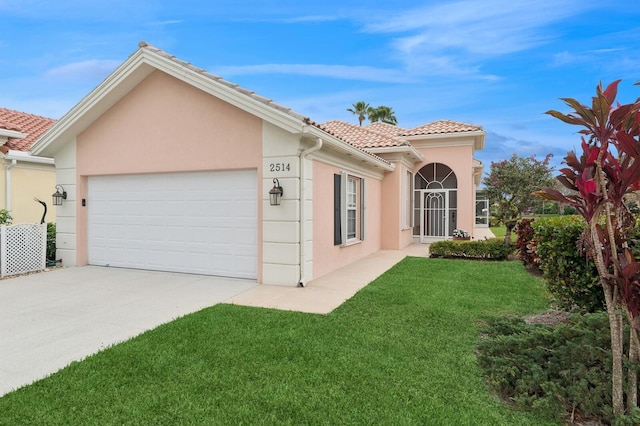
x: 361, y: 109
x: 383, y: 113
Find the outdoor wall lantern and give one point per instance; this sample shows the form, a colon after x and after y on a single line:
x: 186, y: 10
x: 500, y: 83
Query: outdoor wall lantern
x: 276, y: 193
x: 59, y: 195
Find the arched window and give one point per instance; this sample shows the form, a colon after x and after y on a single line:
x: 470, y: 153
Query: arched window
x: 436, y: 176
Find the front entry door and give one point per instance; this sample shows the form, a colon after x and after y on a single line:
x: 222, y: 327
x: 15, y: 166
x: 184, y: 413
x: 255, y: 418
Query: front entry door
x: 435, y: 215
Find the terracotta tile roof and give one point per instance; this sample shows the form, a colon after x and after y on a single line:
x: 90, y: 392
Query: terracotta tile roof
x: 442, y: 126
x: 386, y: 129
x: 361, y: 137
x: 8, y: 126
x: 379, y: 135
x: 31, y: 125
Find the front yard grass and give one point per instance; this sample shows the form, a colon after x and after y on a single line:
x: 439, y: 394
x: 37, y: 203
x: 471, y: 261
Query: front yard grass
x: 402, y: 351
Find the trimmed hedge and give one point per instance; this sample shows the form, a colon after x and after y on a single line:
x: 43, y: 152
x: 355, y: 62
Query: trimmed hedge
x: 491, y: 249
x: 571, y: 278
x: 51, y: 242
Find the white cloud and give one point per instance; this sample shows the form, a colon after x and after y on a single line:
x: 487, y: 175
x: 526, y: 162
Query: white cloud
x: 90, y: 69
x: 344, y: 72
x: 501, y: 146
x: 309, y: 19
x: 168, y: 22
x: 596, y: 57
x: 566, y: 58
x: 455, y: 37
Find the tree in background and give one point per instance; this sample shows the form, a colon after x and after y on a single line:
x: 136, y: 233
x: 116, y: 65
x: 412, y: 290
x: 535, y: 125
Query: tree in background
x: 510, y: 186
x: 383, y: 113
x: 607, y: 171
x: 361, y: 109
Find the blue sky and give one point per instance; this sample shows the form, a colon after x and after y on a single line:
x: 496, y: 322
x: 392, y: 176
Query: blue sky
x: 496, y: 63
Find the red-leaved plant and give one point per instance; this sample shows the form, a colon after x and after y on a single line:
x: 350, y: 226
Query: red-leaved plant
x: 607, y: 171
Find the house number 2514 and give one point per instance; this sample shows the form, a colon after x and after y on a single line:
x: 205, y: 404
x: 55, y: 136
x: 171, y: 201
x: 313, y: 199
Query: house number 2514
x: 279, y: 167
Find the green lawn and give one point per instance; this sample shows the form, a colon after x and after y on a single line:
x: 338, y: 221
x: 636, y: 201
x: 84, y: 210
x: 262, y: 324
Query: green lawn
x: 401, y: 352
x: 498, y: 231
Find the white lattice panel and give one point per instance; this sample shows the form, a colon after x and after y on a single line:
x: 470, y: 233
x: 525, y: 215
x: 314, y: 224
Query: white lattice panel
x: 23, y: 248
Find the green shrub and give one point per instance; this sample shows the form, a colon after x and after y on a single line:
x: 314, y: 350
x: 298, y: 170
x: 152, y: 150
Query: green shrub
x: 569, y: 210
x: 551, y: 369
x: 571, y: 278
x: 526, y: 245
x: 493, y: 249
x: 547, y: 208
x: 494, y: 221
x: 51, y: 242
x: 5, y: 217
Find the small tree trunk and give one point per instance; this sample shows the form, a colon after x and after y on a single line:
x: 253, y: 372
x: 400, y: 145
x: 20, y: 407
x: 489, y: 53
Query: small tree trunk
x: 632, y: 374
x: 617, y: 350
x: 507, y: 235
x: 610, y: 291
x: 615, y: 323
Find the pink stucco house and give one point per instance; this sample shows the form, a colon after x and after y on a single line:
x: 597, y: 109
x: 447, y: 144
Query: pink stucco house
x: 168, y: 167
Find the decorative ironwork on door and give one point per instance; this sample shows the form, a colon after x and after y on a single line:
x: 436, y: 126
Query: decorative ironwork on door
x: 435, y: 214
x: 435, y: 202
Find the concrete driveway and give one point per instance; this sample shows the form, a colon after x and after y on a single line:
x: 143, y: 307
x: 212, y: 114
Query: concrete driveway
x: 50, y: 319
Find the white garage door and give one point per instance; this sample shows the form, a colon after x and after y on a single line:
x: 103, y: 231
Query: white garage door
x: 199, y: 222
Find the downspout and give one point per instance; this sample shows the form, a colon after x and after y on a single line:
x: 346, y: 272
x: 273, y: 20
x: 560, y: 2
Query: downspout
x: 7, y: 182
x: 303, y: 155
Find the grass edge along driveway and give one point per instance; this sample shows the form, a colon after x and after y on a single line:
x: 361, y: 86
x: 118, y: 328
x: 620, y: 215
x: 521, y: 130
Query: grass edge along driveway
x: 401, y: 351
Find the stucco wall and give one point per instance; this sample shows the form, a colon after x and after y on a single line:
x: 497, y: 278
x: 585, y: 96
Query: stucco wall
x: 395, y: 235
x: 166, y: 125
x: 29, y: 181
x: 327, y: 256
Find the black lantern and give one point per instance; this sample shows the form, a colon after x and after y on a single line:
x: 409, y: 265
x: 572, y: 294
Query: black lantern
x: 276, y: 193
x: 59, y: 195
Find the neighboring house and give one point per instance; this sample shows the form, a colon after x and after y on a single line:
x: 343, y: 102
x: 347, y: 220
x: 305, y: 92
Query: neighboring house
x: 169, y: 167
x: 25, y: 176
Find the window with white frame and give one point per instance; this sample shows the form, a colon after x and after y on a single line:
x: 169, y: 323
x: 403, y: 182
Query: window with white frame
x: 349, y: 207
x: 352, y: 208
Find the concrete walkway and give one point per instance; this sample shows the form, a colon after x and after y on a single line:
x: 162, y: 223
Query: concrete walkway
x: 482, y: 233
x: 326, y: 293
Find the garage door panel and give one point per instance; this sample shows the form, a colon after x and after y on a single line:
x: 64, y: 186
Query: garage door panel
x: 202, y: 222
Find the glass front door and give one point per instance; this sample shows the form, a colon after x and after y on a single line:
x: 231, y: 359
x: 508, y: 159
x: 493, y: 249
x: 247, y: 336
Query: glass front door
x: 437, y: 216
x: 435, y: 203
